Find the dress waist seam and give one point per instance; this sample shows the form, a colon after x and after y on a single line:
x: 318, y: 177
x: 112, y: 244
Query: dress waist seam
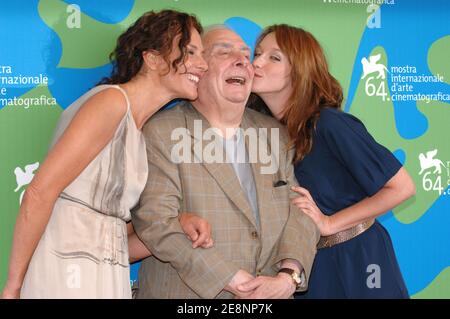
x: 69, y: 198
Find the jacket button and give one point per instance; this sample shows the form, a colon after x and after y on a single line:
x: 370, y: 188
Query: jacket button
x: 254, y: 234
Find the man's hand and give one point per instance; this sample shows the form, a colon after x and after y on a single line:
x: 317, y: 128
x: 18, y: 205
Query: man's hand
x: 279, y: 287
x: 239, y: 278
x: 197, y: 229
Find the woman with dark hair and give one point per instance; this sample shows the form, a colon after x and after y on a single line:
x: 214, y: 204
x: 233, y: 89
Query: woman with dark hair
x: 346, y: 178
x: 70, y: 238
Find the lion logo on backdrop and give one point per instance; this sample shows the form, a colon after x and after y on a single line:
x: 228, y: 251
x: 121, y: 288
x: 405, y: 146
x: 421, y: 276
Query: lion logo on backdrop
x: 24, y: 177
x: 371, y: 66
x: 428, y: 161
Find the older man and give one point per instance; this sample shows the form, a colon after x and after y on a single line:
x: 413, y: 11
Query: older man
x: 256, y: 230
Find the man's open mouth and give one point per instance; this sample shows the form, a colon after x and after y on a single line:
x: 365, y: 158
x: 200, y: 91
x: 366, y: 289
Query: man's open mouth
x: 237, y: 80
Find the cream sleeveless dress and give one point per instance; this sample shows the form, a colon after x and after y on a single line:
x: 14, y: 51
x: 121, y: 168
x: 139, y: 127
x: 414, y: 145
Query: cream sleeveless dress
x: 83, y: 252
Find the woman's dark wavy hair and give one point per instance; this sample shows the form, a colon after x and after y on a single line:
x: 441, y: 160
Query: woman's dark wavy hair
x: 152, y: 31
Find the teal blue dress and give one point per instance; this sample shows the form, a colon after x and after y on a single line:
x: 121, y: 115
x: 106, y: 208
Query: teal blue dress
x: 345, y: 166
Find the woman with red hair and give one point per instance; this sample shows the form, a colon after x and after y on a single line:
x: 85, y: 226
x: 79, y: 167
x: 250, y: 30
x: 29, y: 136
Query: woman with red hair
x: 347, y: 179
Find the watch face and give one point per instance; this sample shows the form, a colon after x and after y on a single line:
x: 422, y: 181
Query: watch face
x: 296, y: 278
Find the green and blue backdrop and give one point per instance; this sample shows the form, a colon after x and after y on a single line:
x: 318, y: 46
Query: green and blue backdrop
x: 391, y: 57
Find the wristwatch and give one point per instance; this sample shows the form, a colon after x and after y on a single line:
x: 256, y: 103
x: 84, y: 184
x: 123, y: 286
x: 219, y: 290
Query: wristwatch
x: 299, y: 279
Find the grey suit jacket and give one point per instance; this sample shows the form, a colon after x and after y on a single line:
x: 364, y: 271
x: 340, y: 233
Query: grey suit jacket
x: 213, y: 191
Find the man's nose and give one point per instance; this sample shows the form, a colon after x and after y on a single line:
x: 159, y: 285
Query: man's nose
x: 241, y: 59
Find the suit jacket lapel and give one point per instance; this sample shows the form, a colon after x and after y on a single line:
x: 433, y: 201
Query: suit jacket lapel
x: 223, y: 173
x: 264, y: 186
